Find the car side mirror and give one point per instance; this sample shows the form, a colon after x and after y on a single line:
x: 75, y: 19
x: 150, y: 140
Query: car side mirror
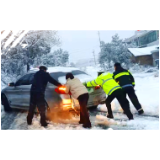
x: 11, y: 84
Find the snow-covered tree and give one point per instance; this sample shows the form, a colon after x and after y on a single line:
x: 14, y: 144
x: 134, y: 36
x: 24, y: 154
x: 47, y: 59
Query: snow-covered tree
x: 115, y: 51
x: 72, y: 64
x: 55, y: 58
x: 14, y: 60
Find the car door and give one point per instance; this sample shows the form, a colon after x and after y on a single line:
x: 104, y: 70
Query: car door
x: 14, y: 93
x: 25, y: 86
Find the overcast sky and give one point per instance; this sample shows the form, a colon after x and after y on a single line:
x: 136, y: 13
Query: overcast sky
x: 80, y: 44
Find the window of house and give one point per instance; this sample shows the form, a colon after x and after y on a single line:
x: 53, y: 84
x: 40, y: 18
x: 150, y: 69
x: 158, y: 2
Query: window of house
x: 150, y: 37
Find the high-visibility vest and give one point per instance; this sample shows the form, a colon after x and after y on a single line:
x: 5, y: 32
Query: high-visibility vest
x: 106, y: 81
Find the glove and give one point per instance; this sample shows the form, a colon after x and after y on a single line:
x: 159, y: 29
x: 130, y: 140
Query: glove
x: 85, y: 84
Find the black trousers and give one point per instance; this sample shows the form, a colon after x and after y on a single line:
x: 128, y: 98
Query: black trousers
x: 84, y: 115
x: 119, y: 95
x: 37, y: 100
x: 131, y: 94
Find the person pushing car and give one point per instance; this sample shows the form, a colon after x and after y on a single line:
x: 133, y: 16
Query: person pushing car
x: 79, y: 91
x: 37, y: 98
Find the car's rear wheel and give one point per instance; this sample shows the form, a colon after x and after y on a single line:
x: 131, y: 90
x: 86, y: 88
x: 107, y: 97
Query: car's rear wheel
x: 5, y: 103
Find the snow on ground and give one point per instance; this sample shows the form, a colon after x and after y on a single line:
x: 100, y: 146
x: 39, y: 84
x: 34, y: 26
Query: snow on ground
x: 19, y: 123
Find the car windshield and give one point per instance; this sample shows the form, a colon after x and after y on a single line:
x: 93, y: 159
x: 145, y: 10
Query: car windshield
x: 61, y: 76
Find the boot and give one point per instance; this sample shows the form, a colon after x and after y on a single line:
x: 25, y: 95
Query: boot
x: 45, y: 124
x: 87, y: 125
x: 131, y: 118
x: 29, y: 121
x: 140, y: 112
x: 110, y: 116
x: 43, y: 119
x: 81, y: 122
x: 129, y: 114
x: 29, y: 118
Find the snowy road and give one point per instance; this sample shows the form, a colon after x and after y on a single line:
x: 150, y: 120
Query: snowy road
x: 147, y: 90
x: 17, y: 120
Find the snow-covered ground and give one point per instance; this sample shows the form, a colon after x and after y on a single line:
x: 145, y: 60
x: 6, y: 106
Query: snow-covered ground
x: 147, y: 90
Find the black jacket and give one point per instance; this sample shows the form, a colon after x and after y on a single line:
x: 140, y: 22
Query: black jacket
x: 40, y: 80
x: 123, y: 77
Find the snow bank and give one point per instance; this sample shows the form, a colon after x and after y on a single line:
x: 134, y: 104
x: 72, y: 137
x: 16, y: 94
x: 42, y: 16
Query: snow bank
x: 147, y: 90
x: 122, y: 123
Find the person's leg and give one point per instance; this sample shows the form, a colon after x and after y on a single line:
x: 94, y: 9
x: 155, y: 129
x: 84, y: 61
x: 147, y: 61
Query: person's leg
x: 134, y: 100
x: 124, y: 103
x: 83, y: 100
x: 41, y: 108
x: 81, y: 116
x: 125, y: 94
x: 31, y: 108
x: 108, y: 105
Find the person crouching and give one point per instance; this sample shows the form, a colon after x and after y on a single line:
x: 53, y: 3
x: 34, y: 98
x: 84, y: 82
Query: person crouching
x: 79, y: 91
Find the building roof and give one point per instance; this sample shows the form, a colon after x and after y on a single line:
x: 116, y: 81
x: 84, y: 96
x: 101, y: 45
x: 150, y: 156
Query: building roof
x: 137, y: 34
x: 143, y: 51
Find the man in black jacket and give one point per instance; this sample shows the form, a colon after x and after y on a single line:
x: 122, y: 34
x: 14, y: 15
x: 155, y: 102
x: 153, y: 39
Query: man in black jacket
x: 126, y: 81
x: 41, y: 78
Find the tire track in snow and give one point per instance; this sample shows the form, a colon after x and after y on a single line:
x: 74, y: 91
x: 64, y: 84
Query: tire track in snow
x: 7, y: 120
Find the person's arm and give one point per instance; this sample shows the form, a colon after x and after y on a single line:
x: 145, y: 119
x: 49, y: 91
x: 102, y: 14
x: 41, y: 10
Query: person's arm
x: 67, y: 88
x: 94, y: 83
x: 114, y: 78
x: 132, y: 78
x: 53, y: 81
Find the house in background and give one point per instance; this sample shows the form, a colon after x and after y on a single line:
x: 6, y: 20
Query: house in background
x: 146, y: 43
x: 146, y: 55
x: 144, y: 38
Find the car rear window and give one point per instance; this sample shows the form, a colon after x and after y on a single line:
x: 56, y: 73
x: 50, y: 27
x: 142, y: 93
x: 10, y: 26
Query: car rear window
x: 56, y: 75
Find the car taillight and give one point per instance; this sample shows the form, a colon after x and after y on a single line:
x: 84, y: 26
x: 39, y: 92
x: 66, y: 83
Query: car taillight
x: 67, y: 103
x: 97, y: 87
x: 60, y: 90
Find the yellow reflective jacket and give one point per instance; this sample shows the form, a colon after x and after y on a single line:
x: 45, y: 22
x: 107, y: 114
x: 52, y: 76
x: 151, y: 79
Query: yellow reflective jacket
x: 106, y: 81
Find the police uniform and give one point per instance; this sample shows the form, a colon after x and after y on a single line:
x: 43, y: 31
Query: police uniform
x: 125, y: 79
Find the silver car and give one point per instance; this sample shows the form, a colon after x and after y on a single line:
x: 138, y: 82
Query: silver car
x: 17, y: 95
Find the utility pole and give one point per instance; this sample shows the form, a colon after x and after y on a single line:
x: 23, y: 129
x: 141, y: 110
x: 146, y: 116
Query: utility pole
x: 94, y: 57
x: 99, y: 39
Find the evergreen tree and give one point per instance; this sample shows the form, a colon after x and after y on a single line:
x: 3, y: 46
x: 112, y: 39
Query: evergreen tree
x: 115, y: 51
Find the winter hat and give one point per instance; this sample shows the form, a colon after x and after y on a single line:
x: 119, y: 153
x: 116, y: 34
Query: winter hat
x: 43, y: 68
x: 69, y: 75
x: 117, y: 64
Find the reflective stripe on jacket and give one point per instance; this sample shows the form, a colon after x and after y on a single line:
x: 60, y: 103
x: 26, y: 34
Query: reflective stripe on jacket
x: 106, y: 81
x: 124, y: 78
